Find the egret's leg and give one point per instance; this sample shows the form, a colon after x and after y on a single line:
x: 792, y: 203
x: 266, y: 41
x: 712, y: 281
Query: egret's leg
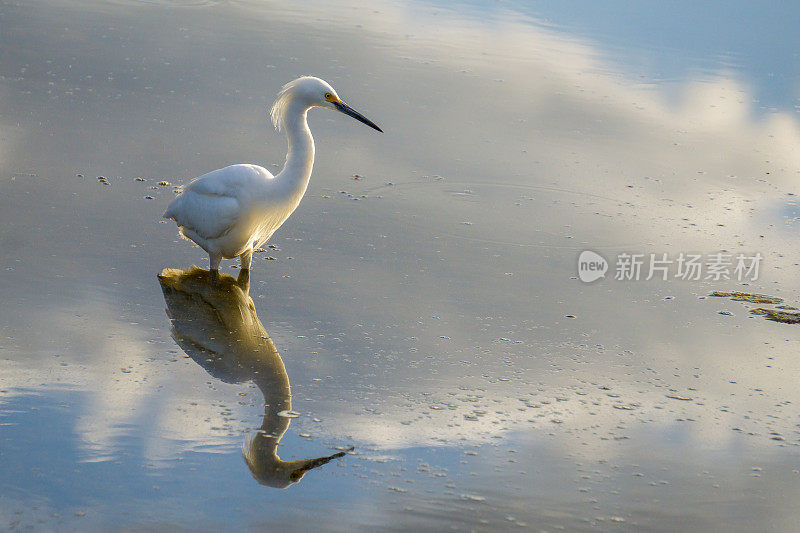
x: 246, y: 258
x: 243, y: 280
x: 214, y: 261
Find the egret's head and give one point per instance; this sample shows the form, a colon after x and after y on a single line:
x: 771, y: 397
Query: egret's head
x: 307, y: 92
x: 268, y: 469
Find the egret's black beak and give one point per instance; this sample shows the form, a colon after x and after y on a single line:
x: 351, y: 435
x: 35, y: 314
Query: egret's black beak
x: 347, y: 110
x: 316, y: 463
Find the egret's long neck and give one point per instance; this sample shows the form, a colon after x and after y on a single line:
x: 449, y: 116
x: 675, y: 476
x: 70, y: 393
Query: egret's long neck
x: 300, y: 159
x: 274, y: 384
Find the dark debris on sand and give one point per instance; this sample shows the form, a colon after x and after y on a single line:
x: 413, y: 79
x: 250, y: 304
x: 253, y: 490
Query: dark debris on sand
x: 777, y: 316
x: 780, y: 314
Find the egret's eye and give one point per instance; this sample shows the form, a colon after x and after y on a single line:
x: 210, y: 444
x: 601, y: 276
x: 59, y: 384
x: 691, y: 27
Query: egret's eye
x: 328, y: 96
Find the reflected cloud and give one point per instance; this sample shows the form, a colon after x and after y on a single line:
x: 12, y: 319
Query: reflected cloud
x: 216, y: 324
x: 514, y: 148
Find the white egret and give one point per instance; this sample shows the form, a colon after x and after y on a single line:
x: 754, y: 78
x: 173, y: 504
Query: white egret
x: 232, y: 211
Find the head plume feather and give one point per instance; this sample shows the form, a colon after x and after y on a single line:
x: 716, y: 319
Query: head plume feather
x: 283, y: 100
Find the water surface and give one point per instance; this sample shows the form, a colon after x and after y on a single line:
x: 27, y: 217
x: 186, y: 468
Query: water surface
x: 424, y: 299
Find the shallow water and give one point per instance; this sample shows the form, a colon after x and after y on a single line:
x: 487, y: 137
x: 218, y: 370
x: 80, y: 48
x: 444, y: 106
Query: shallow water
x: 424, y: 298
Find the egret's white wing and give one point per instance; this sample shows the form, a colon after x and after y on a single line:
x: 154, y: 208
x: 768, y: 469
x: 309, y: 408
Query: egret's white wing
x: 234, y: 180
x: 211, y: 205
x: 208, y: 215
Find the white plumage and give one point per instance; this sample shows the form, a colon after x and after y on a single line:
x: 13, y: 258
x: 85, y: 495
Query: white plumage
x: 231, y: 211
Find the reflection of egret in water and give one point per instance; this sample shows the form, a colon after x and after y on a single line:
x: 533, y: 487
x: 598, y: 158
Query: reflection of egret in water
x: 217, y: 326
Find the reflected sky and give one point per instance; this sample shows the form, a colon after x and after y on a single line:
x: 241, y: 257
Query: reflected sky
x: 424, y: 296
x: 668, y: 43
